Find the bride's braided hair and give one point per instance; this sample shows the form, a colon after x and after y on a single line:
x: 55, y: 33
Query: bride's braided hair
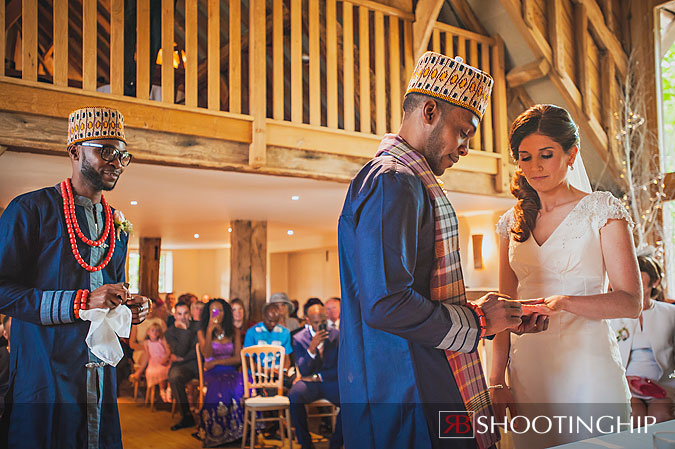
x: 550, y: 121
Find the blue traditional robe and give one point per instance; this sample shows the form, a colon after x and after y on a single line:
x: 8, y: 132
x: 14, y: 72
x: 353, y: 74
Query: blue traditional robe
x: 393, y: 373
x: 56, y: 400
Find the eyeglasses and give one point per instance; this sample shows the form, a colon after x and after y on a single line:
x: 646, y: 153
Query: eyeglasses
x: 110, y: 152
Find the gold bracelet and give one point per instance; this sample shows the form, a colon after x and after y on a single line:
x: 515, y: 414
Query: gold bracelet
x: 496, y: 387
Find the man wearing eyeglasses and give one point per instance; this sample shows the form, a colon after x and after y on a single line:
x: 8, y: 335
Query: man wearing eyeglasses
x: 62, y: 260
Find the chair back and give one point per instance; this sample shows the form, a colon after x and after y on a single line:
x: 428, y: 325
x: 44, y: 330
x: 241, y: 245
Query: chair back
x: 200, y: 365
x: 263, y: 367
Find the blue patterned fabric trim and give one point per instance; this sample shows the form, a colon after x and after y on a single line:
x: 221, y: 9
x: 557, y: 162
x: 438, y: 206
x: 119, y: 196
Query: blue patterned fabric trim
x: 57, y: 307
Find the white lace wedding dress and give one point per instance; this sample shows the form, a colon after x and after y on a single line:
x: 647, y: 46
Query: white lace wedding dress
x: 574, y: 368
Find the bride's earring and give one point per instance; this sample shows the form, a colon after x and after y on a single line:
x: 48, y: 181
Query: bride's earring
x: 571, y: 166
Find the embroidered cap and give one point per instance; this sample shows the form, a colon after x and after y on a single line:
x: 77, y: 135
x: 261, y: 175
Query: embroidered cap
x: 96, y: 122
x: 453, y: 81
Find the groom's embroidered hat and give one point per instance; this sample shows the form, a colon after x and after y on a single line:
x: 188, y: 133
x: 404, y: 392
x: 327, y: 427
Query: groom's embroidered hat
x: 451, y: 80
x: 98, y: 122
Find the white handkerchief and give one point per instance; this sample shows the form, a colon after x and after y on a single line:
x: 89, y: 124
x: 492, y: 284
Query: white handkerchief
x: 106, y: 325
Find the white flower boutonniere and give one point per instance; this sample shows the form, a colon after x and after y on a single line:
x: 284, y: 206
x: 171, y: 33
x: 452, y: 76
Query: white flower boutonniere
x: 122, y: 224
x: 622, y: 334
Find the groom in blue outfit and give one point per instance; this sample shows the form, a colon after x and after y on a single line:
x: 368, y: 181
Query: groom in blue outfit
x: 316, y: 353
x: 60, y: 394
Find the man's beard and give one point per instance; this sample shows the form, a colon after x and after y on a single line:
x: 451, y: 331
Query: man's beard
x: 434, y: 153
x: 94, y: 177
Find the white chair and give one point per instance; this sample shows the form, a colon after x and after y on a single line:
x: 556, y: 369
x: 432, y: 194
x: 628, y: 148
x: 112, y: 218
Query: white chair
x: 262, y: 368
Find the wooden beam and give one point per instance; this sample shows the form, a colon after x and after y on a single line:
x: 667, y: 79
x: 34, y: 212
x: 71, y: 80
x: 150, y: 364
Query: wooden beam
x: 149, y: 249
x: 27, y: 98
x: 257, y: 77
x: 583, y: 64
x: 609, y: 95
x: 385, y: 9
x: 537, y: 42
x: 527, y: 72
x: 555, y: 35
x: 528, y: 13
x: 468, y: 18
x: 248, y: 264
x: 426, y: 13
x: 606, y: 36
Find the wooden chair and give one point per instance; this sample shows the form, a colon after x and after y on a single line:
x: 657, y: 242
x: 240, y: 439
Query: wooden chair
x: 264, y: 373
x: 200, y: 366
x: 323, y: 403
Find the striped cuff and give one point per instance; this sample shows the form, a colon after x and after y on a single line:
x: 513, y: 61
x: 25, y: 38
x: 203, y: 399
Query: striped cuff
x: 57, y: 307
x: 464, y: 332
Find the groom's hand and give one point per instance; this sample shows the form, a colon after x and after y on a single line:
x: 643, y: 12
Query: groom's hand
x: 532, y: 324
x: 501, y: 312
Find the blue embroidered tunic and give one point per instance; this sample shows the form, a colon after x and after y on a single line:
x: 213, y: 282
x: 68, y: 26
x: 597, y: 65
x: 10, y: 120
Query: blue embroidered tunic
x: 393, y: 374
x: 57, y: 401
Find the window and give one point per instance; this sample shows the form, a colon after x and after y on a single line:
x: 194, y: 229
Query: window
x: 165, y: 271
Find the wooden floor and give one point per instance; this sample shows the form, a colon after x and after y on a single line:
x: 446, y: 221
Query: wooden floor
x: 143, y: 429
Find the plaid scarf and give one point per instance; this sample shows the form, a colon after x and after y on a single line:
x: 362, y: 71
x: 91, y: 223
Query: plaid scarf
x: 447, y: 282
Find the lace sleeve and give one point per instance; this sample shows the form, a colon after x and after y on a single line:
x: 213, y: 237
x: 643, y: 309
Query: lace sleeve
x: 609, y: 208
x: 504, y: 224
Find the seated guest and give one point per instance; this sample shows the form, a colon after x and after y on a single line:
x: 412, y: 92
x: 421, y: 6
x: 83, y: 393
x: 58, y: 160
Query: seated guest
x: 188, y: 298
x: 158, y: 360
x: 220, y: 343
x: 333, y: 312
x: 309, y: 303
x: 138, y: 334
x: 316, y: 352
x: 241, y: 323
x: 296, y: 309
x: 182, y: 339
x: 196, y: 311
x: 269, y: 332
x: 647, y: 346
x: 286, y: 308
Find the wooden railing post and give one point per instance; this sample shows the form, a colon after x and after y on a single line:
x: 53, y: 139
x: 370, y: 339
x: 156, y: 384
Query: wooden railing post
x: 581, y: 34
x: 89, y: 44
x: 500, y: 115
x: 257, y: 77
x: 278, y: 59
x: 348, y: 55
x: 235, y: 56
x: 191, y: 54
x: 60, y: 44
x: 364, y: 69
x: 331, y: 65
x: 167, y: 51
x: 143, y: 75
x: 116, y: 47
x: 29, y: 40
x: 213, y: 64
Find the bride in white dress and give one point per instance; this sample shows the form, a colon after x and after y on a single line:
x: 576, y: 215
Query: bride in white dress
x: 562, y: 243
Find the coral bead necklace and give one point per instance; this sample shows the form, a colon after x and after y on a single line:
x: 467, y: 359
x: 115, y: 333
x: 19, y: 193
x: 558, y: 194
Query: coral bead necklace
x: 74, y: 228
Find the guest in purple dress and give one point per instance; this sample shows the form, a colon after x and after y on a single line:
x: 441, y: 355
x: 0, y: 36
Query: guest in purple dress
x: 221, y: 417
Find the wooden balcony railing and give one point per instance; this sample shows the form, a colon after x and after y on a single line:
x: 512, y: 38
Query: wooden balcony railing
x: 295, y: 71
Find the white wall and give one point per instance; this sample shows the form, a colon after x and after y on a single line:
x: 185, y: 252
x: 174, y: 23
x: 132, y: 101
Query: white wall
x: 306, y: 274
x: 202, y: 272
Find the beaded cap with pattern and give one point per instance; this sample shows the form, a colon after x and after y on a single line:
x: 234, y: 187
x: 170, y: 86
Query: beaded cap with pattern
x: 453, y: 81
x: 96, y: 122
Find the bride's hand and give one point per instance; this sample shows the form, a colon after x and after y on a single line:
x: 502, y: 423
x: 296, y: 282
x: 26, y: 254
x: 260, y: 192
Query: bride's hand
x: 546, y: 306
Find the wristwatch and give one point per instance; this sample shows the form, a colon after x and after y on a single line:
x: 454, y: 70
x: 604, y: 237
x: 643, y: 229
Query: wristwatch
x: 316, y: 378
